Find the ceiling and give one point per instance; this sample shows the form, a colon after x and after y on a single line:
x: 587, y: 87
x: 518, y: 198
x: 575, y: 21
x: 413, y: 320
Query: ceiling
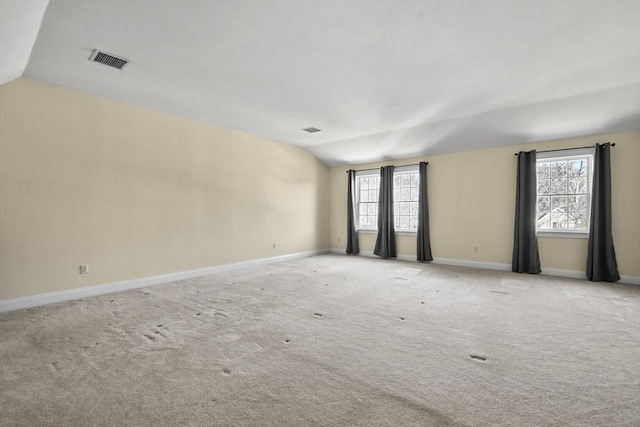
x: 381, y: 79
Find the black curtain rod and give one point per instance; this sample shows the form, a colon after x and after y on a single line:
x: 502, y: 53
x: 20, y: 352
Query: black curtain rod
x: 376, y: 169
x: 566, y: 149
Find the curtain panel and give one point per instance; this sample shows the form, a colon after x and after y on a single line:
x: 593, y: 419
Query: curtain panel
x: 423, y: 238
x: 352, y: 234
x: 526, y: 258
x: 601, y: 256
x: 386, y: 240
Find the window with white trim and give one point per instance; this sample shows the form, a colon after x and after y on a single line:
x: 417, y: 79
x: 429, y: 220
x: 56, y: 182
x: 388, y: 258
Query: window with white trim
x: 405, y: 199
x: 367, y: 200
x: 564, y: 191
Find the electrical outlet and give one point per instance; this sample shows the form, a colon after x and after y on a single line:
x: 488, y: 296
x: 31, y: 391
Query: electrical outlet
x: 475, y: 249
x: 338, y: 240
x: 274, y: 246
x: 84, y: 269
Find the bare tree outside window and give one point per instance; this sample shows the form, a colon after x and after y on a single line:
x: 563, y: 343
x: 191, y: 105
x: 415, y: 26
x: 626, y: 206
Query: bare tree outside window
x: 563, y: 194
x: 368, y: 201
x: 405, y: 197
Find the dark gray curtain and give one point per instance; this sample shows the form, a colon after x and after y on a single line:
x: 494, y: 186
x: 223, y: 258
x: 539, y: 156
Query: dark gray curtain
x: 601, y: 257
x: 352, y: 235
x: 424, y: 241
x: 525, y: 243
x: 386, y: 240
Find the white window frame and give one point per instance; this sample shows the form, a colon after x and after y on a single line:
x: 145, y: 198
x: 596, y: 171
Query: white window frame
x: 562, y: 156
x: 362, y: 174
x: 404, y: 170
x: 399, y: 170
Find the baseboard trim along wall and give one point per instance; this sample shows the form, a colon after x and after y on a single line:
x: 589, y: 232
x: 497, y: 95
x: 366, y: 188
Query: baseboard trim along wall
x: 89, y: 291
x: 573, y: 274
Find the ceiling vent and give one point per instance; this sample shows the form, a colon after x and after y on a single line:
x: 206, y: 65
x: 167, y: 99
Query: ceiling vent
x: 108, y: 59
x: 311, y: 130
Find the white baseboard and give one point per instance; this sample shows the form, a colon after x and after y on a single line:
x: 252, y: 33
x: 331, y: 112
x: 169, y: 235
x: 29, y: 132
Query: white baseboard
x: 89, y: 291
x: 629, y: 280
x: 573, y: 274
x: 474, y: 264
x: 444, y: 261
x: 372, y: 255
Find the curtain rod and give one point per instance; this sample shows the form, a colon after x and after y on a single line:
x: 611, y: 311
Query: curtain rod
x: 565, y: 149
x: 375, y: 169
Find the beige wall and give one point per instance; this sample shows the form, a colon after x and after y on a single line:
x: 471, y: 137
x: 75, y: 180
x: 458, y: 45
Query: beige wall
x: 472, y: 200
x: 134, y: 192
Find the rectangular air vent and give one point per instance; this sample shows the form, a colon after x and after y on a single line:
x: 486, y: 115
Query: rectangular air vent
x: 311, y: 130
x: 108, y: 59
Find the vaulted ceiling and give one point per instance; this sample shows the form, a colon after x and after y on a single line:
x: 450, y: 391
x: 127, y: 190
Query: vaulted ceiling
x: 381, y: 79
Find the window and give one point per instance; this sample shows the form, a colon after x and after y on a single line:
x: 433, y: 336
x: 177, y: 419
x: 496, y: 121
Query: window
x: 564, y: 187
x: 405, y: 199
x: 367, y: 201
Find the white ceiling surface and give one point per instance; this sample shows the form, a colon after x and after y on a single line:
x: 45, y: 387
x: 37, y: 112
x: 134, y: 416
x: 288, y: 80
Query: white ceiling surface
x: 19, y: 24
x: 383, y: 80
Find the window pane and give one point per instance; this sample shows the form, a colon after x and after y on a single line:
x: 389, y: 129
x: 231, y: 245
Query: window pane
x: 364, y: 196
x: 544, y: 186
x: 544, y: 204
x: 543, y: 171
x: 363, y: 220
x: 406, y: 180
x: 415, y: 179
x: 582, y: 185
x: 372, y: 222
x: 413, y: 222
x: 578, y: 204
x: 414, y: 194
x: 573, y: 186
x: 577, y: 168
x: 363, y: 209
x: 413, y: 209
x: 558, y: 169
x: 558, y: 220
x: 404, y: 208
x: 364, y: 183
x: 373, y: 195
x: 559, y: 186
x: 406, y: 194
x: 559, y: 203
x: 544, y: 221
x: 404, y: 222
x: 372, y: 209
x: 577, y: 221
x: 397, y: 180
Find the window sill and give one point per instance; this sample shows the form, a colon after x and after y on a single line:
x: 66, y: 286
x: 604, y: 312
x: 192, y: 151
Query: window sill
x: 564, y: 234
x: 365, y: 231
x: 403, y: 232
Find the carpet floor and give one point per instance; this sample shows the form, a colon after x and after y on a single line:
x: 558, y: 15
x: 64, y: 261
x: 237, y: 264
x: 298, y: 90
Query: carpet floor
x: 330, y: 340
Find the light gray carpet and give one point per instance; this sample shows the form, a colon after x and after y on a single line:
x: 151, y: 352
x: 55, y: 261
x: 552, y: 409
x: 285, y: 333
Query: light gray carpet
x: 330, y: 340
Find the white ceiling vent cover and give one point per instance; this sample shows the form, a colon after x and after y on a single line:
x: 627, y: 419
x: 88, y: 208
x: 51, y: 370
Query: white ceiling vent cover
x: 108, y: 59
